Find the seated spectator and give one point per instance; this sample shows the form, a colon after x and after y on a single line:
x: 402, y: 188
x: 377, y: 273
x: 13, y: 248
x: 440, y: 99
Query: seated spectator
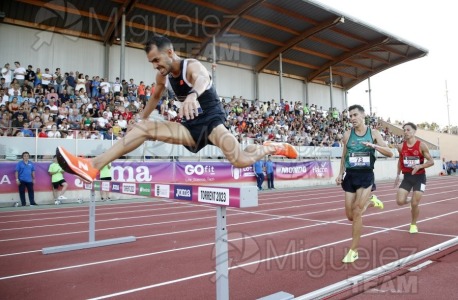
x: 75, y: 120
x: 50, y: 123
x: 36, y: 123
x: 20, y: 112
x: 54, y: 133
x: 26, y: 132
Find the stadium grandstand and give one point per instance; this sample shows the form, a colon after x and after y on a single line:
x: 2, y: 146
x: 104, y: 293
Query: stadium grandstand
x: 74, y: 74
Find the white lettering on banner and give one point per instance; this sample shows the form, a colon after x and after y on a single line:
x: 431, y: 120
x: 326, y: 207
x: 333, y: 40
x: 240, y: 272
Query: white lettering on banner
x: 140, y: 174
x: 128, y: 188
x: 183, y: 193
x: 162, y: 190
x: 105, y: 186
x: 198, y: 169
x: 5, y: 179
x: 293, y: 170
x: 210, y: 195
x: 242, y: 172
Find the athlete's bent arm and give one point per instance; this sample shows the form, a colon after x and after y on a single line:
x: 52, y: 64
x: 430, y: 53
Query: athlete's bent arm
x: 429, y: 160
x: 380, y: 145
x: 199, y: 78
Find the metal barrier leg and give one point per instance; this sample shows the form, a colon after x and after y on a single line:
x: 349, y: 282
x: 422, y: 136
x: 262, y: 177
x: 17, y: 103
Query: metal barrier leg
x: 221, y: 255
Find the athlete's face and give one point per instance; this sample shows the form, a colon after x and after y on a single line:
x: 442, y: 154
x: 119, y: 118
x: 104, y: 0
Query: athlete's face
x: 356, y: 117
x: 161, y: 60
x: 409, y: 132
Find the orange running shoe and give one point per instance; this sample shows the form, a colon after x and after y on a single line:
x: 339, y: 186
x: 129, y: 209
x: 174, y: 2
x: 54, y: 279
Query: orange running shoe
x: 283, y: 149
x: 78, y: 166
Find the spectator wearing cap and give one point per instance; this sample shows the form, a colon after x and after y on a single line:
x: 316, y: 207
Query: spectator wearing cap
x: 102, y: 121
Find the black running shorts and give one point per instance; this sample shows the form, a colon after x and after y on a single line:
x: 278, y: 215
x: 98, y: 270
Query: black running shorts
x: 201, y: 127
x: 354, y: 181
x: 416, y: 182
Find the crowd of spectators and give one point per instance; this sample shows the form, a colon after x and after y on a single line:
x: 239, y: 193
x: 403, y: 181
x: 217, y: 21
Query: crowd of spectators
x: 76, y: 105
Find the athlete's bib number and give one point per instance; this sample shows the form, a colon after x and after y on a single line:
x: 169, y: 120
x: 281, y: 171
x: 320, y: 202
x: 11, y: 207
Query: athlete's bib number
x: 411, y: 161
x: 360, y: 159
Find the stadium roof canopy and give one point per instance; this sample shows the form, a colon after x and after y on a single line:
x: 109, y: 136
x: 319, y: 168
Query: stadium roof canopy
x: 249, y: 34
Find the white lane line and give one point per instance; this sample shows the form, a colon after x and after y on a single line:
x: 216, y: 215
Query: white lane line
x: 211, y: 244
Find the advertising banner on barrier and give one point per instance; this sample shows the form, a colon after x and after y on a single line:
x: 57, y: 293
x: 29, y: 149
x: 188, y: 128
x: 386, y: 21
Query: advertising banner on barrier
x: 212, y: 173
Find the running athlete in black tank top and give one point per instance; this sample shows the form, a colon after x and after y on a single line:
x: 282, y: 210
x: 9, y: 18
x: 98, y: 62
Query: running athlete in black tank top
x: 201, y: 110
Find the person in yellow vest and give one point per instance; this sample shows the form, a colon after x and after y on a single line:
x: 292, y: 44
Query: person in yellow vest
x: 57, y: 179
x: 105, y: 174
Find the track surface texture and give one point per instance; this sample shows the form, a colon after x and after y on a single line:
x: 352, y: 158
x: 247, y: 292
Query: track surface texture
x: 293, y: 241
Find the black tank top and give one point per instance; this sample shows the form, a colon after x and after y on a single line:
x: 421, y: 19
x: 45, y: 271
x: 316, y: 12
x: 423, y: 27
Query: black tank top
x: 208, y: 100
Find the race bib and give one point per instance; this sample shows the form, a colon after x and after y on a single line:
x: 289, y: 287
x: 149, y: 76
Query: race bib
x: 360, y: 159
x: 411, y: 161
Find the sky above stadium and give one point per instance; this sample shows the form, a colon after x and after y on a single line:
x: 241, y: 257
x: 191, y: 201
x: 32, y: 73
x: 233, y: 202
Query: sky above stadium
x: 414, y: 91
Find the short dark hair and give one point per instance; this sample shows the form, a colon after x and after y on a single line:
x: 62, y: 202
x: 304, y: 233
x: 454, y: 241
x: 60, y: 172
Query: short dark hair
x: 161, y: 42
x: 410, y: 124
x: 24, y: 153
x: 356, y: 106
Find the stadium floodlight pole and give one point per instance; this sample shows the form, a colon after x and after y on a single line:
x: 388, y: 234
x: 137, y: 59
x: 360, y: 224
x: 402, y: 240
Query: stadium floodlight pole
x: 123, y: 45
x: 214, y: 61
x: 280, y: 68
x: 330, y: 86
x: 448, y: 107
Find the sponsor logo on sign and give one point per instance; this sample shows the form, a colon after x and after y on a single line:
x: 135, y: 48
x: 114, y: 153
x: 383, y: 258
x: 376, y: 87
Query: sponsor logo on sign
x: 293, y: 170
x: 199, y: 170
x: 88, y: 186
x: 183, y: 192
x: 97, y: 186
x: 242, y: 172
x: 115, y: 187
x: 105, y: 186
x: 144, y: 189
x: 128, y: 188
x: 162, y: 190
x: 210, y: 195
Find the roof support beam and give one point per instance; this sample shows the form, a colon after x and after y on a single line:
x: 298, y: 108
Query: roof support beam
x: 347, y: 55
x: 126, y: 8
x: 294, y: 41
x: 229, y: 22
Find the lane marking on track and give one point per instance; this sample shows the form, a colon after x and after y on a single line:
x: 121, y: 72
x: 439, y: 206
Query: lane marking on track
x: 212, y: 244
x: 233, y: 267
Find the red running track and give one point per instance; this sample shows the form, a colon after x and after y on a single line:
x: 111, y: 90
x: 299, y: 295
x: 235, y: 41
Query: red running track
x: 293, y: 241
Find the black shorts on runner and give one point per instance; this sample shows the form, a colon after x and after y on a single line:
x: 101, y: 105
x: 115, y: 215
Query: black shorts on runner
x: 201, y: 127
x: 57, y: 184
x: 105, y: 178
x: 353, y: 181
x: 416, y: 182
